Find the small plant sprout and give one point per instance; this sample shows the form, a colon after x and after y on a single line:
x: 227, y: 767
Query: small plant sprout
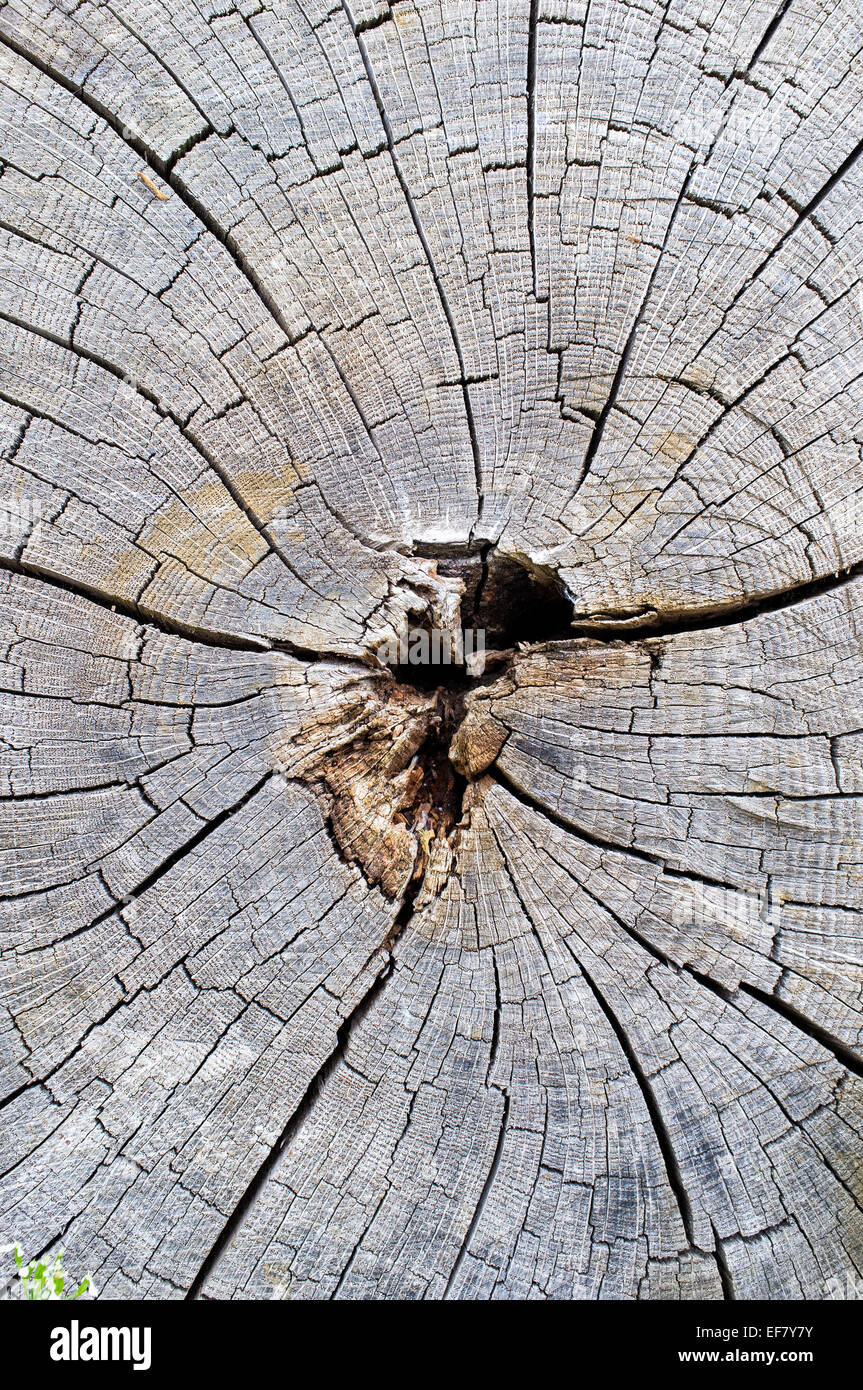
x: 44, y: 1279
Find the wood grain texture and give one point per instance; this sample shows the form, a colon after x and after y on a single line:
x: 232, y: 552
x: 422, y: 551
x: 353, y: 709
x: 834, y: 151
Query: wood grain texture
x: 302, y: 307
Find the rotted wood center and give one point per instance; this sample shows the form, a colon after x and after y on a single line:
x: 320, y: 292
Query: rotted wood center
x: 397, y: 792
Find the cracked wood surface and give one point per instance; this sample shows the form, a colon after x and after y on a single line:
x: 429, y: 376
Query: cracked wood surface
x: 318, y: 322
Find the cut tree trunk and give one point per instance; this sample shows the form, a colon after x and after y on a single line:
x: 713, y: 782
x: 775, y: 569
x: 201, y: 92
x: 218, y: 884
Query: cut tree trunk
x: 326, y: 979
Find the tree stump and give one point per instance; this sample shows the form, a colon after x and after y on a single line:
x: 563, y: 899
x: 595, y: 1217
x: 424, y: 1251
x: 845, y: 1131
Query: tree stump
x: 332, y: 978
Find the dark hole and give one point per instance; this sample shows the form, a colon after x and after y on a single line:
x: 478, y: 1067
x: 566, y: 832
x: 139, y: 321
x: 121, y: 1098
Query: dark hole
x: 516, y: 604
x: 433, y: 677
x: 509, y: 603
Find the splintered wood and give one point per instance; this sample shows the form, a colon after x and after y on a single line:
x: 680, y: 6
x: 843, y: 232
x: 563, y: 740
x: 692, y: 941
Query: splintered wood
x: 318, y: 981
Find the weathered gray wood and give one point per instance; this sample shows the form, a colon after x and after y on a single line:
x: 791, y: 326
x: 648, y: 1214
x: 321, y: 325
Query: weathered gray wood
x: 294, y: 303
